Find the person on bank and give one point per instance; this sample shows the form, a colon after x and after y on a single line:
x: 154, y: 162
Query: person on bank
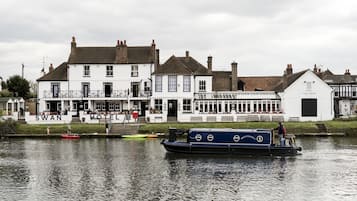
x: 281, y: 133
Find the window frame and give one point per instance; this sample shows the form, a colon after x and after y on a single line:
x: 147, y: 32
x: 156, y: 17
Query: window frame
x: 172, y: 83
x: 187, y: 105
x: 158, y: 85
x: 109, y: 72
x: 86, y: 72
x: 186, y: 82
x: 202, y: 85
x: 135, y: 70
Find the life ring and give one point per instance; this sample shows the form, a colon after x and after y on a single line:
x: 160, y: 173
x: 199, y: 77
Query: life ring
x: 259, y: 138
x: 210, y: 137
x: 198, y: 137
x: 236, y: 138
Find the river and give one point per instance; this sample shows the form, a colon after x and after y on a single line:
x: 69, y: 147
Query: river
x: 119, y: 169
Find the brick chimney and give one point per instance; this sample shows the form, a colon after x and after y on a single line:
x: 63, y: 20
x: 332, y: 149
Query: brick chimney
x: 153, y: 51
x: 121, y: 52
x: 234, y: 76
x: 73, y: 47
x: 315, y: 69
x: 157, y: 59
x: 50, y: 69
x: 347, y: 72
x: 209, y: 64
x: 289, y: 69
x: 187, y: 57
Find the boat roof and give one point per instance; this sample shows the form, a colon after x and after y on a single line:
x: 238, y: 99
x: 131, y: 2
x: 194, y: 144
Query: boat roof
x: 257, y: 130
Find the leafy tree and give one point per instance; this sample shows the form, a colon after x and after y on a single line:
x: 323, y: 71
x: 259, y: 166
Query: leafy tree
x: 5, y: 93
x: 18, y: 86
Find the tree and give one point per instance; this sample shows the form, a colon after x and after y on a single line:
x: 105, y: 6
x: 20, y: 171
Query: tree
x: 18, y: 86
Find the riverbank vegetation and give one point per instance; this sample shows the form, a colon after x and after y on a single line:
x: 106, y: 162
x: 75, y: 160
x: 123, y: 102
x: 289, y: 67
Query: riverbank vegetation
x: 337, y: 126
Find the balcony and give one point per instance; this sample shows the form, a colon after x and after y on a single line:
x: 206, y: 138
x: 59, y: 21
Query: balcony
x: 119, y: 94
x: 232, y: 95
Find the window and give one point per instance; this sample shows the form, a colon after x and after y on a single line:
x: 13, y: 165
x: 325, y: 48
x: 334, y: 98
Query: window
x: 86, y: 106
x: 172, y: 83
x: 117, y: 107
x: 86, y: 71
x: 186, y: 105
x: 309, y: 107
x: 158, y: 104
x: 186, y: 83
x: 202, y: 85
x: 134, y: 70
x: 147, y: 87
x: 98, y: 106
x: 158, y: 83
x: 109, y: 71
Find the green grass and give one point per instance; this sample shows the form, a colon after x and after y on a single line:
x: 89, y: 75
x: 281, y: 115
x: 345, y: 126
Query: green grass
x: 349, y: 127
x: 59, y: 128
x: 292, y: 127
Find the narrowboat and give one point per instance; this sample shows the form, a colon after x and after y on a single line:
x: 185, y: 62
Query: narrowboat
x: 230, y: 141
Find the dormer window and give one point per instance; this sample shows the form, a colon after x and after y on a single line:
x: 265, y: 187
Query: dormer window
x: 109, y: 71
x: 86, y: 71
x: 134, y: 70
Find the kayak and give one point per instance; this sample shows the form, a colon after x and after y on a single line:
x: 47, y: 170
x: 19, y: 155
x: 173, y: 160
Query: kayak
x: 134, y: 136
x: 70, y: 136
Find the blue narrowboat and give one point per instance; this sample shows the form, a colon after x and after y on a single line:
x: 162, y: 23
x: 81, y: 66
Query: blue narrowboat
x: 230, y: 141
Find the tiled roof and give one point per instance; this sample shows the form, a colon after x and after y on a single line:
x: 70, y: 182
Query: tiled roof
x: 182, y: 65
x: 221, y: 81
x: 265, y: 83
x: 107, y: 55
x: 58, y: 74
x: 289, y: 80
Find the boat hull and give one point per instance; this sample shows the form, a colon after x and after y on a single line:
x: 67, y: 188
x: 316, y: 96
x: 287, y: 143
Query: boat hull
x: 70, y: 136
x: 216, y: 148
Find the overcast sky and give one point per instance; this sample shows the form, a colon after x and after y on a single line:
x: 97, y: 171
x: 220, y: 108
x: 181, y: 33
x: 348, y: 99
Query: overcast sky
x: 261, y: 35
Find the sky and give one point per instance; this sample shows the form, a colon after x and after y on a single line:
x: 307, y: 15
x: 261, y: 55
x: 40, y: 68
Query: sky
x: 263, y: 36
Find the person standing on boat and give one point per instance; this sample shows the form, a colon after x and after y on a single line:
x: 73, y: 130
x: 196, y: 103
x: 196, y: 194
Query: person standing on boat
x: 281, y: 133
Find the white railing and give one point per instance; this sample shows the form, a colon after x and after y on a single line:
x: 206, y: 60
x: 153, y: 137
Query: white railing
x: 96, y: 94
x: 224, y: 95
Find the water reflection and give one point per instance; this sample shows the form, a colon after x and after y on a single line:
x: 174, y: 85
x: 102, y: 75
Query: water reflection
x: 114, y: 169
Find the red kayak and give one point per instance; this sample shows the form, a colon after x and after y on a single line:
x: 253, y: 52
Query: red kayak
x: 70, y: 136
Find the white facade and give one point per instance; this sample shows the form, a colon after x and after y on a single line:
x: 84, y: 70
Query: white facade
x: 307, y: 89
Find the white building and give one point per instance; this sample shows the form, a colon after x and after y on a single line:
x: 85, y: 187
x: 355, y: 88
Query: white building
x: 99, y: 83
x: 187, y: 91
x: 99, y: 80
x: 345, y: 91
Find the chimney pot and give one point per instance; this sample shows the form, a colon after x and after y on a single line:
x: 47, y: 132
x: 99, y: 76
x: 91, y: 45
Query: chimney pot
x: 187, y: 53
x: 50, y: 69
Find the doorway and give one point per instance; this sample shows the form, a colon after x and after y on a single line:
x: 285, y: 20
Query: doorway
x: 172, y: 108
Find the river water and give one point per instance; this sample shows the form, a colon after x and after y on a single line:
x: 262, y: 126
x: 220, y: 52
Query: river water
x: 118, y: 169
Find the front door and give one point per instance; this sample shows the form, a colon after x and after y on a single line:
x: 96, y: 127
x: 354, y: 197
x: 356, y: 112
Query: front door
x: 53, y: 106
x: 144, y: 106
x: 172, y: 108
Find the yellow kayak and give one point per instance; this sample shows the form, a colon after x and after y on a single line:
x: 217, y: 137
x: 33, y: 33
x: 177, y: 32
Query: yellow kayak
x: 134, y: 136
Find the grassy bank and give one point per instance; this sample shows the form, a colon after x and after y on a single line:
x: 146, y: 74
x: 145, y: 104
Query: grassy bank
x: 348, y: 127
x: 59, y: 128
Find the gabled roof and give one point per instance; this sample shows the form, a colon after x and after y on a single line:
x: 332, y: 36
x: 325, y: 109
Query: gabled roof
x: 287, y: 80
x: 58, y: 74
x: 107, y: 55
x: 182, y: 66
x: 340, y: 79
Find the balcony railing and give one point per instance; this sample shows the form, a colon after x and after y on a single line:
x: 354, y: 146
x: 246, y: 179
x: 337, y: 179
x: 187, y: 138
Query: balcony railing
x: 224, y: 95
x: 96, y: 94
